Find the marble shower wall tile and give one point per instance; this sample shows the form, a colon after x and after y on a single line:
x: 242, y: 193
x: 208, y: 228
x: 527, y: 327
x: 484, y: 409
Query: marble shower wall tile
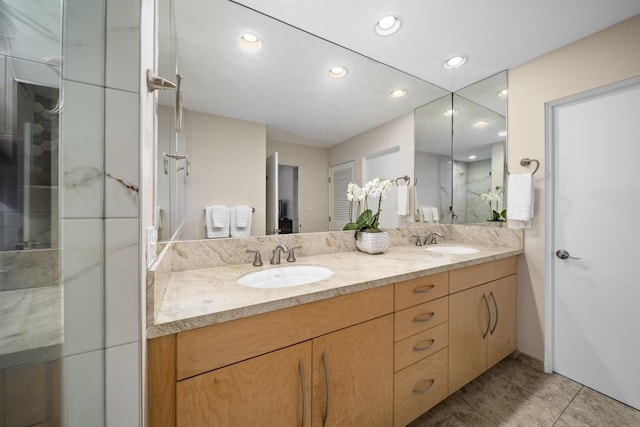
x: 122, y: 386
x: 123, y: 45
x: 84, y: 42
x: 81, y: 154
x: 122, y: 188
x: 121, y: 281
x: 30, y: 269
x: 82, y: 275
x: 83, y: 389
x: 30, y: 30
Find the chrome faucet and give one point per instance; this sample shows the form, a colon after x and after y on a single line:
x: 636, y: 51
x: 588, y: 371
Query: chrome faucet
x: 275, y: 259
x: 431, y: 239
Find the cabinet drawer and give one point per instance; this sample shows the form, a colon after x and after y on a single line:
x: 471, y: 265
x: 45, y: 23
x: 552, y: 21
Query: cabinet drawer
x: 420, y: 345
x: 215, y: 346
x: 468, y: 277
x: 416, y: 291
x: 420, y: 318
x: 420, y: 387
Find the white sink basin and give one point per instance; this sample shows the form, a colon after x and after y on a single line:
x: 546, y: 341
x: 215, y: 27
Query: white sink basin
x: 452, y: 249
x: 286, y: 276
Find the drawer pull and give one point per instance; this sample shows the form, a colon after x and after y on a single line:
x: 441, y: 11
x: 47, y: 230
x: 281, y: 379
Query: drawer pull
x: 484, y: 334
x: 424, y: 289
x: 425, y: 389
x: 424, y: 317
x: 424, y: 347
x: 304, y: 400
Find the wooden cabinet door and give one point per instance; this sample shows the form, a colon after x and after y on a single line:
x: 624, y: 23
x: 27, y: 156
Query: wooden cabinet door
x: 503, y: 331
x: 353, y: 375
x: 468, y: 331
x: 265, y: 391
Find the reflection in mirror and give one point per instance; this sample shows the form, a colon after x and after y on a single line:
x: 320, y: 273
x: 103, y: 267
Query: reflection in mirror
x: 479, y: 143
x: 170, y: 180
x: 242, y: 105
x: 432, y: 190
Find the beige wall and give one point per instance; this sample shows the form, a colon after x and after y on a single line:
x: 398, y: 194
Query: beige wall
x: 227, y: 168
x: 603, y: 58
x: 313, y: 171
x: 395, y: 133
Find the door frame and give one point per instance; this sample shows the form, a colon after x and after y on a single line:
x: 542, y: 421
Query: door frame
x: 549, y: 170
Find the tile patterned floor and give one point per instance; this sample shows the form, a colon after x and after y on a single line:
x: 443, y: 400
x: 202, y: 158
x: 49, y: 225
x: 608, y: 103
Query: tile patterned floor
x: 516, y: 392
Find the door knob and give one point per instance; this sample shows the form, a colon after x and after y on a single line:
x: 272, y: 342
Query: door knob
x: 562, y: 254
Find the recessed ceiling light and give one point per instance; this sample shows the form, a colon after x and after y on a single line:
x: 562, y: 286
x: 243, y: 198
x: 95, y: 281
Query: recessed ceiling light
x: 454, y: 62
x: 398, y: 93
x: 250, y: 41
x: 387, y: 25
x: 502, y: 133
x: 450, y: 112
x: 503, y: 92
x: 480, y: 124
x: 472, y: 157
x: 338, y: 72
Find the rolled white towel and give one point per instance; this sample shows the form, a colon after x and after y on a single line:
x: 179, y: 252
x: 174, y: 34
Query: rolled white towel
x: 520, y: 200
x: 403, y: 195
x: 234, y: 229
x: 217, y: 221
x: 243, y: 216
x: 426, y: 214
x: 435, y: 214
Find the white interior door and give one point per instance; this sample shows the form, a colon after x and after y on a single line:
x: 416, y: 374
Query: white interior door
x: 272, y: 194
x: 595, y: 208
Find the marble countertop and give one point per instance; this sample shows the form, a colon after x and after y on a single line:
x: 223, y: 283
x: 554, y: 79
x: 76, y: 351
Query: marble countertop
x: 198, y: 298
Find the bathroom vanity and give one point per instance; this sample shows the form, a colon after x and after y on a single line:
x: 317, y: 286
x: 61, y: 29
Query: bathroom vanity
x: 377, y: 344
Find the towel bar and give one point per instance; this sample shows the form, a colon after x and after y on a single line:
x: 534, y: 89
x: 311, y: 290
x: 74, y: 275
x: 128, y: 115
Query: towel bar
x: 526, y: 162
x: 406, y: 179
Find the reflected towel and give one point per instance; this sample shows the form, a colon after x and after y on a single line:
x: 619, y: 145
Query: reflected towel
x: 520, y: 200
x: 435, y: 214
x: 403, y: 195
x: 425, y: 212
x: 234, y: 229
x: 217, y: 221
x: 243, y: 216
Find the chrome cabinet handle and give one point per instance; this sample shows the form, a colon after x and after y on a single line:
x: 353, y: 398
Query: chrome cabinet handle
x: 495, y: 304
x: 326, y: 379
x: 424, y: 289
x: 424, y: 347
x: 423, y: 317
x: 425, y: 389
x: 563, y: 254
x: 484, y: 334
x: 304, y: 398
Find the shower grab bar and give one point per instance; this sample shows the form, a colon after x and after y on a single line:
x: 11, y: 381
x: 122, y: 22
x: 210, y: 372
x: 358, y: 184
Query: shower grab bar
x: 176, y: 156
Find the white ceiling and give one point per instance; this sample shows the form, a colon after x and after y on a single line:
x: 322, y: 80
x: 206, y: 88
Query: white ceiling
x: 494, y: 35
x: 285, y: 84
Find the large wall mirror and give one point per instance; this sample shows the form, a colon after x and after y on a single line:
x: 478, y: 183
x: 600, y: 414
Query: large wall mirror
x: 242, y: 104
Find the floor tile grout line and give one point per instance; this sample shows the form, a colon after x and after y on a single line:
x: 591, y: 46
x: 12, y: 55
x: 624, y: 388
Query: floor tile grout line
x: 569, y: 404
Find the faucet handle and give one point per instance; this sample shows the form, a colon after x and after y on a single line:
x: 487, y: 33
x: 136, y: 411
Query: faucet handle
x: 292, y: 255
x: 418, y: 239
x: 257, y: 260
